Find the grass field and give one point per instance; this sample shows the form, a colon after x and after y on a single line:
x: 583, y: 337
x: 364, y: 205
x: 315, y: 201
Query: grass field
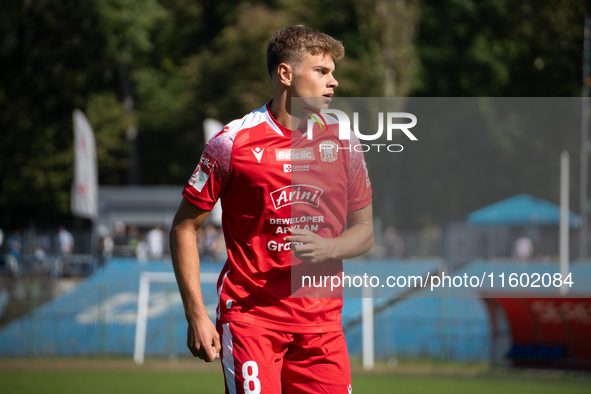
x: 148, y: 380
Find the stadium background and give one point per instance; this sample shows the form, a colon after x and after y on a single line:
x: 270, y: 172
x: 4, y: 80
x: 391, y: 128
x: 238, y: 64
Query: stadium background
x: 147, y: 73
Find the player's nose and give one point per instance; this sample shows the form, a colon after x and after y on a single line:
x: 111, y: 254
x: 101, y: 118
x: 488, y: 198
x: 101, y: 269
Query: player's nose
x: 333, y: 83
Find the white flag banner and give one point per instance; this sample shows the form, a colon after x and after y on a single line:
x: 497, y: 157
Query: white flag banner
x: 210, y: 128
x: 85, y: 186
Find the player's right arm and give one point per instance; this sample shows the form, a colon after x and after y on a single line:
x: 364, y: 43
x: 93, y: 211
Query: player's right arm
x: 202, y: 338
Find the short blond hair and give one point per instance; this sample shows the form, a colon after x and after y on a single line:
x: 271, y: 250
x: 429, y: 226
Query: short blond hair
x: 292, y: 43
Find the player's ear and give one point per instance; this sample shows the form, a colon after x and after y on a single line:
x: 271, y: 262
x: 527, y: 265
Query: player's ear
x: 285, y: 74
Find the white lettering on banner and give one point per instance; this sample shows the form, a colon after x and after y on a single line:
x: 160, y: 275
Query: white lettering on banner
x: 303, y: 154
x: 296, y: 194
x: 119, y: 308
x: 550, y: 311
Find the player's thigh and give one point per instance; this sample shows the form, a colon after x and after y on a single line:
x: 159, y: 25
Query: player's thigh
x: 252, y: 358
x: 317, y: 363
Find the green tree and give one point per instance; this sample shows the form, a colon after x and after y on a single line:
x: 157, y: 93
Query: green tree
x: 47, y: 71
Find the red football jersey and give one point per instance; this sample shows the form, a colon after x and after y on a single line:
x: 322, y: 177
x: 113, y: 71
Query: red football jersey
x: 270, y: 179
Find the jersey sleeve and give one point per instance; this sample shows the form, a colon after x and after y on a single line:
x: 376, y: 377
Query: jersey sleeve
x: 212, y: 175
x: 358, y: 184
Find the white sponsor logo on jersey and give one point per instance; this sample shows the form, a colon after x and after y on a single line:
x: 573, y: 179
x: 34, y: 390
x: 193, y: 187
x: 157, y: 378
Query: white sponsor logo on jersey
x: 275, y: 246
x: 296, y: 194
x: 367, y: 182
x: 258, y: 153
x: 201, y: 173
x: 302, y: 154
x: 295, y: 167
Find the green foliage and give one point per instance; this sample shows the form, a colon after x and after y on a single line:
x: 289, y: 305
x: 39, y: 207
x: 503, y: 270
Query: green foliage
x: 127, y: 26
x: 109, y: 122
x: 504, y: 48
x: 47, y: 71
x: 500, y: 48
x: 180, y: 61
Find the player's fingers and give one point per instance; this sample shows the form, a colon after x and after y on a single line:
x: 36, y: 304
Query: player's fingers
x: 297, y: 239
x: 204, y: 354
x: 300, y: 231
x: 192, y: 343
x: 194, y: 352
x: 303, y: 246
x: 305, y: 257
x: 200, y: 352
x: 210, y: 353
x: 216, y: 343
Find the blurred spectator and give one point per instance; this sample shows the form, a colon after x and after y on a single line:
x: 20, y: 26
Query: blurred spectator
x: 66, y: 241
x: 155, y: 240
x: 141, y: 251
x: 44, y: 243
x: 2, y: 262
x: 108, y: 246
x: 120, y: 240
x: 105, y: 242
x: 40, y: 254
x: 392, y: 243
x: 211, y: 242
x: 523, y: 248
x: 15, y: 245
x: 133, y: 238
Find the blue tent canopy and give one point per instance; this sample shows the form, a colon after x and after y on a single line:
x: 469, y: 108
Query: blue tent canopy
x: 522, y: 210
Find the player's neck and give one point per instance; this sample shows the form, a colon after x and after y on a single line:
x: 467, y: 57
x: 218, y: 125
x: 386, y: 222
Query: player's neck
x: 281, y: 111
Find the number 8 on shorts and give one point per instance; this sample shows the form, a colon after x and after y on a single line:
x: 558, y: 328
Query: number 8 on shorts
x: 251, y: 376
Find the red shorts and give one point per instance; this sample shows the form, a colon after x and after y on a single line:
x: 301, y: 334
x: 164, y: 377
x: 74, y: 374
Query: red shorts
x: 258, y: 360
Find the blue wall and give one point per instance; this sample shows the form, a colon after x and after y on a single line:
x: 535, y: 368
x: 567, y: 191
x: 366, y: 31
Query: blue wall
x: 98, y: 315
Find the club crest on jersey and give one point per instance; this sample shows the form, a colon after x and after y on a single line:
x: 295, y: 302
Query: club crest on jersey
x: 329, y: 151
x: 202, y: 172
x: 296, y: 194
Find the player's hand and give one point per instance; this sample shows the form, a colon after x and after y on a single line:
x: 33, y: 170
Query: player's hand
x: 202, y: 339
x: 310, y: 247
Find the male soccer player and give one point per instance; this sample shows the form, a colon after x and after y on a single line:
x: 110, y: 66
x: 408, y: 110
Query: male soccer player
x: 269, y: 340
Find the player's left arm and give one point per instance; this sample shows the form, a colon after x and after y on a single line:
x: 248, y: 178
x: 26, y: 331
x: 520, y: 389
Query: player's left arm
x: 353, y: 242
